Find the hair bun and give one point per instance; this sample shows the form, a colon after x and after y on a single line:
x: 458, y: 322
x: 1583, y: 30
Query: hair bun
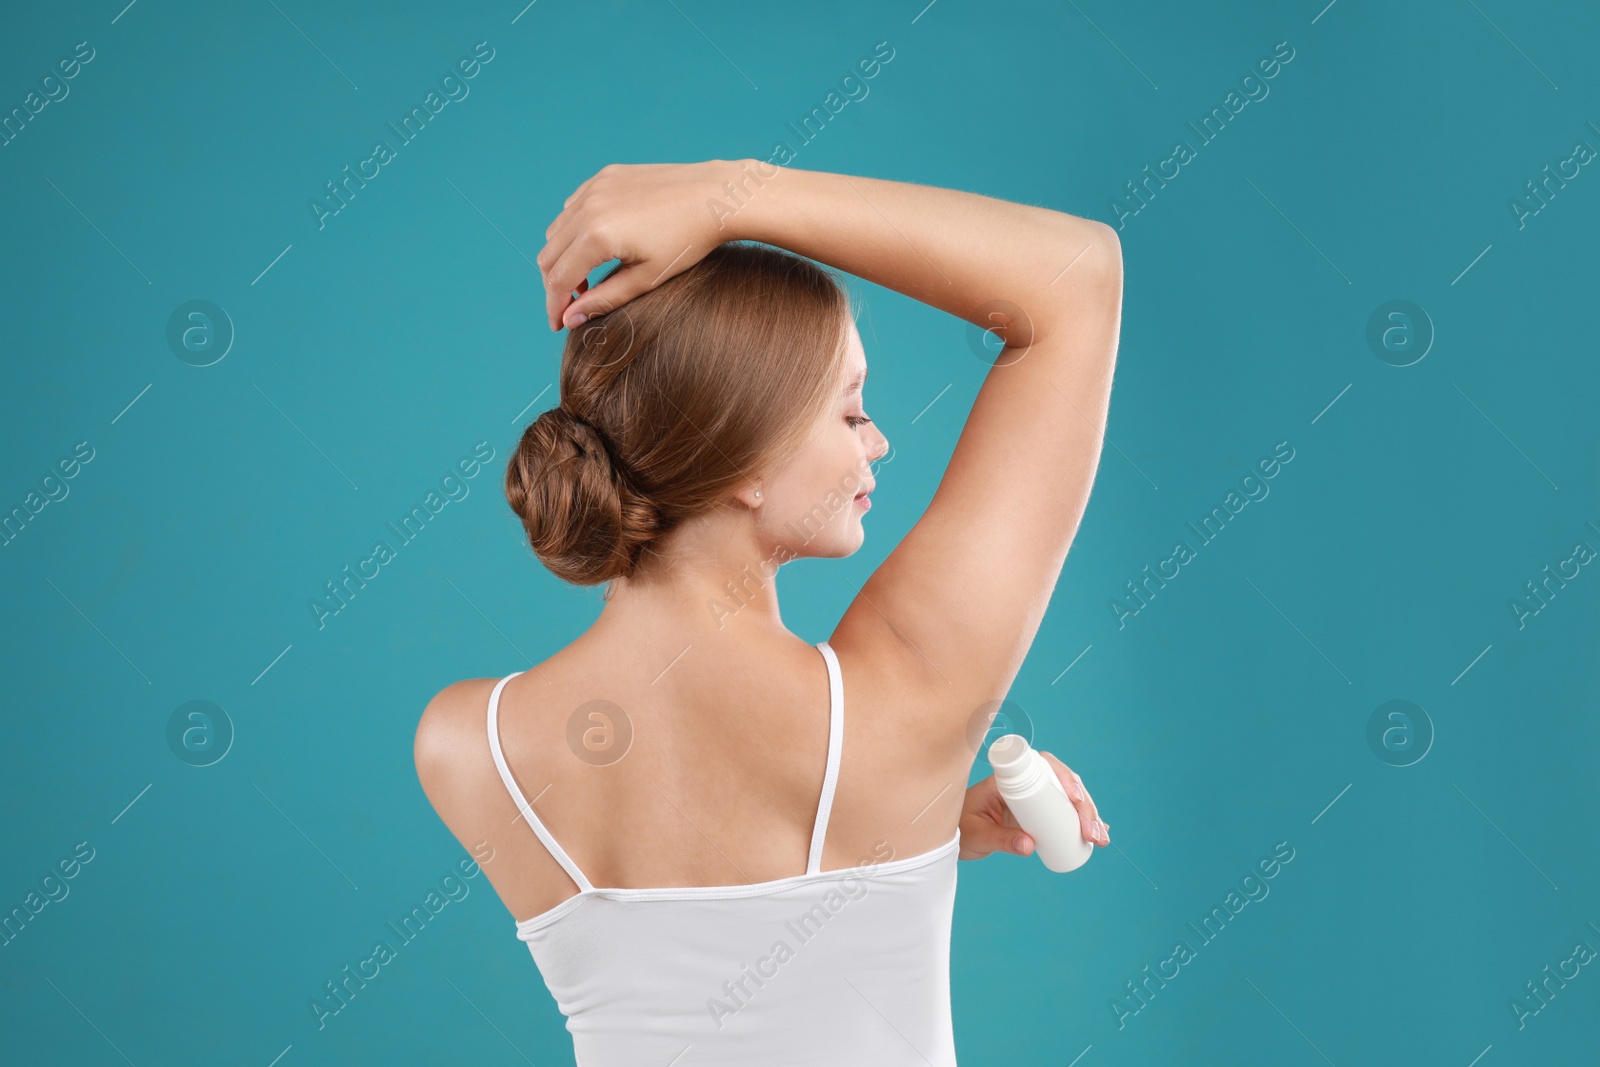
x: 713, y: 378
x: 584, y: 514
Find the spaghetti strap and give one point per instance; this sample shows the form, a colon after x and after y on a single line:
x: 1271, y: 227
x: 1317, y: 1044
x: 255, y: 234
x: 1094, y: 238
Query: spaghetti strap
x: 556, y: 850
x: 830, y: 778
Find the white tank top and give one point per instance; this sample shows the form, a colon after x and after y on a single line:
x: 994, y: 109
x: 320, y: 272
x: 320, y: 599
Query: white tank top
x: 826, y: 967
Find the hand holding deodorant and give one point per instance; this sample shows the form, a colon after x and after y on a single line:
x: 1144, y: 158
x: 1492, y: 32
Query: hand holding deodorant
x: 1024, y: 780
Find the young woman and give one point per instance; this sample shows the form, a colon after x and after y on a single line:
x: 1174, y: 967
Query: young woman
x: 724, y: 844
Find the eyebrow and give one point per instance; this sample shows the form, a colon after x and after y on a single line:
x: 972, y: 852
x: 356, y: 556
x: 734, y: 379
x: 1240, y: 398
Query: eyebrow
x: 858, y: 382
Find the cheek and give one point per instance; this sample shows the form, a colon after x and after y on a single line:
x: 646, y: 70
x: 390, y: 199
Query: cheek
x: 835, y: 467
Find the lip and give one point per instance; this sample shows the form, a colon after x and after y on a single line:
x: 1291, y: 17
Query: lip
x: 865, y: 499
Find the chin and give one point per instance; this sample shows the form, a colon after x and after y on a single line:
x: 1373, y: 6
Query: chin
x: 856, y: 538
x: 845, y: 545
x: 838, y: 541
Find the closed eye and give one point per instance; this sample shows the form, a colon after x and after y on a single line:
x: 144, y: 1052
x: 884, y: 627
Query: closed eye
x: 856, y: 421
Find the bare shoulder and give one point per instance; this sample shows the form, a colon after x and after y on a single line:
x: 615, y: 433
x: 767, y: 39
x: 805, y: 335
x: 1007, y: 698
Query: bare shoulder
x: 452, y: 747
x: 456, y: 768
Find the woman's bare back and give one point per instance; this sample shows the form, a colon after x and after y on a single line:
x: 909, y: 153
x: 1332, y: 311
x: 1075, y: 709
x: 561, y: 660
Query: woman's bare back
x: 722, y: 754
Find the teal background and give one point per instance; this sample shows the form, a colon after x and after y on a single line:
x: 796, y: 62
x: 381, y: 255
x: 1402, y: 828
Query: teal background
x: 1229, y: 715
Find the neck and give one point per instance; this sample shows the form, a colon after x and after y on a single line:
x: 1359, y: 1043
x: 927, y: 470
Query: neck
x: 706, y: 582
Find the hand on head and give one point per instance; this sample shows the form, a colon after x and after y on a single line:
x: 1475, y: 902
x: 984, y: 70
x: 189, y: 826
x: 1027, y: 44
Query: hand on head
x: 652, y: 217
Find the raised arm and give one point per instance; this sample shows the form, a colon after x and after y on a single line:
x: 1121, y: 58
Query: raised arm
x: 962, y: 596
x: 966, y: 589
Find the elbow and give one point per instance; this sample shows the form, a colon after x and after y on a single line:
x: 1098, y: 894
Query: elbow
x: 1094, y: 251
x: 1083, y: 298
x: 1108, y: 250
x: 1100, y: 287
x: 1107, y: 269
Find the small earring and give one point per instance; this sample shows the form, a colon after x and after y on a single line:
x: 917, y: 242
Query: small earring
x: 758, y: 494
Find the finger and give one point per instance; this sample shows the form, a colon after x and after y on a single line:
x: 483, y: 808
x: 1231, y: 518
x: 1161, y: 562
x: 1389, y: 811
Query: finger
x: 1086, y: 804
x: 1088, y: 812
x: 577, y: 194
x: 569, y: 268
x: 1066, y: 775
x: 571, y: 216
x: 1072, y: 783
x: 583, y: 287
x: 1089, y: 816
x: 984, y: 802
x: 630, y: 280
x: 985, y: 799
x: 979, y: 834
x: 621, y: 286
x: 546, y: 260
x: 554, y: 261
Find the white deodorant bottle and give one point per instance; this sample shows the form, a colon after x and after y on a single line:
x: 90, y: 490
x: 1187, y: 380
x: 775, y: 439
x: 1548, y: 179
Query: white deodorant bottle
x: 1024, y: 779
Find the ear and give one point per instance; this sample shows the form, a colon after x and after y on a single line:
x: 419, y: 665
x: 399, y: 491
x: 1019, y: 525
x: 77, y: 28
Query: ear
x: 750, y: 496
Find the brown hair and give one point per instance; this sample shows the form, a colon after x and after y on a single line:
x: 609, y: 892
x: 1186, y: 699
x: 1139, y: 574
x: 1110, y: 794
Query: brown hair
x: 674, y: 399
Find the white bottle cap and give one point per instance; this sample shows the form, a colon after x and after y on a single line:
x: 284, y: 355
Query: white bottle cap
x: 1009, y: 754
x: 1018, y: 769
